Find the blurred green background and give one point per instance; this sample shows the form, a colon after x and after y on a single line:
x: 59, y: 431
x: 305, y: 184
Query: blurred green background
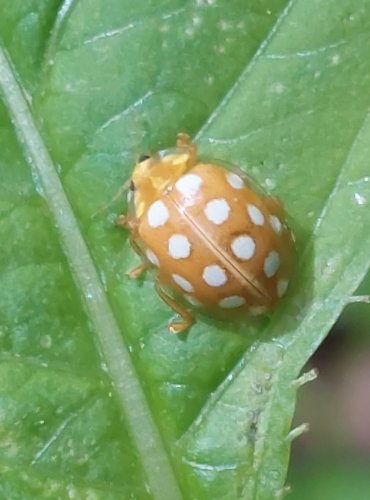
x: 332, y: 460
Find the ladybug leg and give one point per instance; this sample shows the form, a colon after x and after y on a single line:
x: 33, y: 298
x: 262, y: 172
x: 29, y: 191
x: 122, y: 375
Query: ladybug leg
x: 137, y: 271
x: 186, y: 318
x: 128, y: 222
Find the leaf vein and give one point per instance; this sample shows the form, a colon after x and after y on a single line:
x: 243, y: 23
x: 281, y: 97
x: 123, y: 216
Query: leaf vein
x: 247, y: 69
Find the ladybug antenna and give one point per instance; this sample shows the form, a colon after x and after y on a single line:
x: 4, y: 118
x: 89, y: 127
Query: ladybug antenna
x: 128, y: 185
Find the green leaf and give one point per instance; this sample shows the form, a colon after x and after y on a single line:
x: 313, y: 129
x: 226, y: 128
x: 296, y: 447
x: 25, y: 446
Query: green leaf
x: 97, y: 399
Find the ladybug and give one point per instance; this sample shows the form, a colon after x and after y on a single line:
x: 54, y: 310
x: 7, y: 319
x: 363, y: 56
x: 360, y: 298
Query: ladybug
x: 216, y: 240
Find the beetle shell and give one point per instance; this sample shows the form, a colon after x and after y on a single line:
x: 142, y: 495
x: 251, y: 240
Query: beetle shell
x: 215, y: 241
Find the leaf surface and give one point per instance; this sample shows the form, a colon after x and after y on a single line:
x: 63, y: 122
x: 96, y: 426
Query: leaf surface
x: 97, y: 398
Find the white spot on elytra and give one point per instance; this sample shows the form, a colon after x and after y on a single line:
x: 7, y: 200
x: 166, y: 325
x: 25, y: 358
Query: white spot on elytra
x: 275, y: 224
x: 271, y: 264
x: 235, y: 181
x: 179, y: 246
x: 217, y: 211
x: 232, y: 302
x: 152, y: 258
x: 193, y: 301
x: 214, y: 275
x: 256, y: 215
x: 282, y: 287
x: 188, y: 185
x: 183, y: 283
x: 243, y: 247
x: 157, y: 214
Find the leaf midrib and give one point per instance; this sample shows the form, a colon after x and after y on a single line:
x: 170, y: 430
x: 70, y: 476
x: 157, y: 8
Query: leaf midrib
x: 129, y: 392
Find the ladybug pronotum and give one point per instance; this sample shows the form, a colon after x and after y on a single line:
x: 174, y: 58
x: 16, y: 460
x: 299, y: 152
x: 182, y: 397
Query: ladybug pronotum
x: 216, y: 242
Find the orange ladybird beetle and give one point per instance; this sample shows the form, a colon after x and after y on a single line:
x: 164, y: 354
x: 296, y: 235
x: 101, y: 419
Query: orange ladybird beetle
x: 217, y: 242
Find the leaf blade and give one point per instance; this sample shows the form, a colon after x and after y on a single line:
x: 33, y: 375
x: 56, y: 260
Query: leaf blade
x: 124, y: 377
x: 165, y: 360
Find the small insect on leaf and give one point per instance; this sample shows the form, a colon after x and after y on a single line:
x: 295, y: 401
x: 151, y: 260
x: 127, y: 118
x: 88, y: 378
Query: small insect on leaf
x: 214, y: 240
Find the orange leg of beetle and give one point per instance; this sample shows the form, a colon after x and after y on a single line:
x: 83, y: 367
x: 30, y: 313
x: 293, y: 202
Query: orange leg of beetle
x: 186, y: 318
x: 128, y: 222
x: 137, y: 271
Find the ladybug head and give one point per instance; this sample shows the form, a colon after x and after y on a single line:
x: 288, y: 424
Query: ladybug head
x: 153, y: 174
x: 158, y: 171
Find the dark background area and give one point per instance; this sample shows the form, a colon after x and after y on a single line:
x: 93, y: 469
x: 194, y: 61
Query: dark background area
x: 332, y: 460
